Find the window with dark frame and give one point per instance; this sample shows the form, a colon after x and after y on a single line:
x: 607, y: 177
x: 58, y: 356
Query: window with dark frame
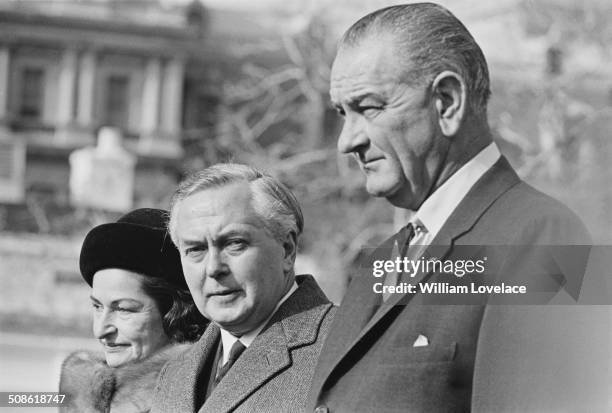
x: 116, y: 103
x: 32, y: 93
x: 7, y: 156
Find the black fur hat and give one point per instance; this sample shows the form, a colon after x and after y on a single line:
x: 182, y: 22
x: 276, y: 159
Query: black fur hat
x: 137, y: 242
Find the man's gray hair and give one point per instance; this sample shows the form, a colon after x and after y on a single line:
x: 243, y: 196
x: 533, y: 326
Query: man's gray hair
x: 430, y: 39
x: 275, y: 204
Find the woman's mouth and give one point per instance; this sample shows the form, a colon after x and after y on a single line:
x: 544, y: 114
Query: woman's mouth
x: 114, y: 347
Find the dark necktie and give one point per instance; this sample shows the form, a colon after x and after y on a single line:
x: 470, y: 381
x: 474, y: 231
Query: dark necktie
x: 235, y: 352
x: 403, y: 238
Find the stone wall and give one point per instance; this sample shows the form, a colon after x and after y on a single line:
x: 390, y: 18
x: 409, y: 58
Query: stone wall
x: 40, y: 283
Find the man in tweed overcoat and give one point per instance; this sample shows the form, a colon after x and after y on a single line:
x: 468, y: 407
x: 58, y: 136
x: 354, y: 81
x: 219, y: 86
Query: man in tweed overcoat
x: 237, y: 230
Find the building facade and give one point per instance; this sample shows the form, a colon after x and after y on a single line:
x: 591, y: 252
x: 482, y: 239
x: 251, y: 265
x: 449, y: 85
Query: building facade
x: 69, y: 68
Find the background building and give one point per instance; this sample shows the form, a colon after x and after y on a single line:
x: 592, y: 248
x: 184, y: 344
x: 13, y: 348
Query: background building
x: 68, y: 68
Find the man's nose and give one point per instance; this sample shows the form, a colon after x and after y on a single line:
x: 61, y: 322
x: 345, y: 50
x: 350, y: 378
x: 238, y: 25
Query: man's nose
x: 215, y: 263
x: 352, y: 137
x: 103, y: 325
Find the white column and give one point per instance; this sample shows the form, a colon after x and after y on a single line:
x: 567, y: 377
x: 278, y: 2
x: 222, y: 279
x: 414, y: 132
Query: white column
x: 65, y: 92
x: 4, y: 76
x: 151, y: 97
x: 173, y: 96
x: 87, y: 76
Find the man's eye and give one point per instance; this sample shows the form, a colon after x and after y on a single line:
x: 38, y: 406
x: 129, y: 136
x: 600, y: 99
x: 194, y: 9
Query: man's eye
x: 369, y: 110
x: 195, y: 251
x: 96, y: 306
x: 340, y: 111
x: 236, y: 244
x: 124, y: 310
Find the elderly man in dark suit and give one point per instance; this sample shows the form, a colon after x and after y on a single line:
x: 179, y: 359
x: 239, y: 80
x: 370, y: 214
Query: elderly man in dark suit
x: 412, y: 86
x: 237, y: 231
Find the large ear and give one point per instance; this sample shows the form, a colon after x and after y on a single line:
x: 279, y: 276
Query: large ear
x: 290, y: 252
x: 449, y: 96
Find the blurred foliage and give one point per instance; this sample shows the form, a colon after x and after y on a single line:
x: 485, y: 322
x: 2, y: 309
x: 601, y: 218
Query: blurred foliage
x: 570, y: 21
x: 278, y: 118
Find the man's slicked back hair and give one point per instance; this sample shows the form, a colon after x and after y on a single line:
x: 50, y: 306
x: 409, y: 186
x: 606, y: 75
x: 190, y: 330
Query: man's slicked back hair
x: 429, y: 39
x: 272, y: 201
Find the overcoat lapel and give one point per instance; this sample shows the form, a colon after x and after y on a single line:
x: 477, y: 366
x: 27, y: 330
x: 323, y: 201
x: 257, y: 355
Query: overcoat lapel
x: 295, y: 324
x: 187, y: 372
x: 267, y: 356
x: 345, y: 334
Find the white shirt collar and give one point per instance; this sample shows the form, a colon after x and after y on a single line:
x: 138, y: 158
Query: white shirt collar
x: 436, y: 209
x: 228, y: 339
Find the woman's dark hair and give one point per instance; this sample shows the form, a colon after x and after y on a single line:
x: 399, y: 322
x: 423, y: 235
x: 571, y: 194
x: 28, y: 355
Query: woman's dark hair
x: 181, y: 319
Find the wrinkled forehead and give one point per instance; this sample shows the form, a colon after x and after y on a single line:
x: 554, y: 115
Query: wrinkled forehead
x: 230, y: 199
x: 215, y: 211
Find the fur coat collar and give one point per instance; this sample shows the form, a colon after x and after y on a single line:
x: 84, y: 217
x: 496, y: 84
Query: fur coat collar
x: 91, y: 386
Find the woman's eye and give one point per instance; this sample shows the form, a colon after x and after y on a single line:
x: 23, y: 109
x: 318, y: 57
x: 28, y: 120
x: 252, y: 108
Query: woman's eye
x: 96, y: 306
x: 124, y: 310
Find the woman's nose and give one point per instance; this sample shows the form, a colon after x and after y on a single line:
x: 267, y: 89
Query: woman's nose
x: 103, y: 325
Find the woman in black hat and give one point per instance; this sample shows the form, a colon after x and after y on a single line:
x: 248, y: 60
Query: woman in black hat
x: 142, y: 310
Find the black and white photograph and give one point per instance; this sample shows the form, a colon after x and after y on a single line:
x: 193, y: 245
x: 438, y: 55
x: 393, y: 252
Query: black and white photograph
x: 324, y: 206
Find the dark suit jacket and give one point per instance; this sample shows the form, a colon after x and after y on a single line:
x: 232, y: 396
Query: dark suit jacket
x: 273, y: 373
x: 488, y: 358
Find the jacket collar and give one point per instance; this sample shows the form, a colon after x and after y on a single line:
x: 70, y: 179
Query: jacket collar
x: 438, y: 207
x: 295, y: 324
x: 188, y: 367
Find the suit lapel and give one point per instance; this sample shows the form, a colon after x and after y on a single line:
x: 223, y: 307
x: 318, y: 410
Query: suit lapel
x: 499, y: 179
x: 356, y: 309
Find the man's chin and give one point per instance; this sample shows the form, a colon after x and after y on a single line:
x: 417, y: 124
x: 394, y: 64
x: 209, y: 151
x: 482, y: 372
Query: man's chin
x: 393, y: 193
x: 227, y: 320
x: 380, y: 189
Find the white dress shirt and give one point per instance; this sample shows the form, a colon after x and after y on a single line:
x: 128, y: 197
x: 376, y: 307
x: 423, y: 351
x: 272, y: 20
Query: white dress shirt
x: 228, y: 339
x: 436, y: 209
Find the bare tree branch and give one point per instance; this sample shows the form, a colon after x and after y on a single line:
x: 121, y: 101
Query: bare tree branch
x: 297, y: 161
x: 279, y: 110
